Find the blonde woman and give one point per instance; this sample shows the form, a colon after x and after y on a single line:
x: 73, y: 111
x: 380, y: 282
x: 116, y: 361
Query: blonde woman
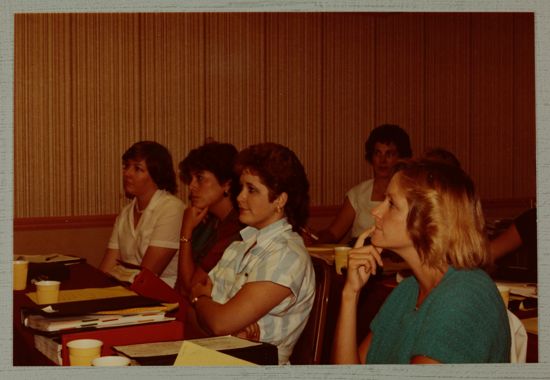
x: 449, y: 310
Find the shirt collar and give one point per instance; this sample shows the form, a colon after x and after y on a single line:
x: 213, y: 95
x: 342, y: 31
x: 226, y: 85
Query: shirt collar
x: 155, y: 199
x: 251, y: 234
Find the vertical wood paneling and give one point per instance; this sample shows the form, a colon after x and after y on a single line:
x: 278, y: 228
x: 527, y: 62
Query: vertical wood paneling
x: 87, y: 86
x: 235, y: 77
x: 447, y: 84
x: 524, y: 169
x: 172, y: 85
x: 348, y: 101
x: 105, y: 101
x: 43, y: 131
x: 293, y: 89
x: 492, y: 107
x: 400, y: 73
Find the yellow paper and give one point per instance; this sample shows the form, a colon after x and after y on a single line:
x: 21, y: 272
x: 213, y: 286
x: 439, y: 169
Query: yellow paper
x: 89, y: 294
x: 531, y: 325
x: 192, y: 354
x: 103, y: 293
x: 143, y: 309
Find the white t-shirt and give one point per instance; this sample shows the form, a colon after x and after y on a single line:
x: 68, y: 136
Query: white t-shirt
x: 159, y: 226
x: 360, y: 198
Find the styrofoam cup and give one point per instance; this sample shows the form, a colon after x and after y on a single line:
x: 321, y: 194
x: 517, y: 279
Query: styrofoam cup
x: 111, y: 361
x: 47, y: 292
x: 341, y: 258
x: 20, y: 270
x: 83, y: 351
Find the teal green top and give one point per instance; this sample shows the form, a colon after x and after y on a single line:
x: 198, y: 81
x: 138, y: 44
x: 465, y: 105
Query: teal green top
x: 462, y: 320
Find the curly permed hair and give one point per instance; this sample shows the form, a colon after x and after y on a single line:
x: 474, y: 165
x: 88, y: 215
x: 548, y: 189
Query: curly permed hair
x: 280, y: 171
x: 387, y: 134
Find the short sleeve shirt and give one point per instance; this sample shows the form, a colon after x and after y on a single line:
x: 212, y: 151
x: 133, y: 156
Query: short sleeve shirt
x: 159, y: 226
x: 359, y: 197
x: 462, y: 320
x: 277, y: 254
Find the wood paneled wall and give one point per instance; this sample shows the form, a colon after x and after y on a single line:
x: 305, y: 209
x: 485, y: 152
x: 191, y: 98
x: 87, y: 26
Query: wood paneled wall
x: 87, y: 86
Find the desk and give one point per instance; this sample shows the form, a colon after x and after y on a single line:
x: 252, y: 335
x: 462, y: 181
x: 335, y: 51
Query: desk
x: 84, y: 276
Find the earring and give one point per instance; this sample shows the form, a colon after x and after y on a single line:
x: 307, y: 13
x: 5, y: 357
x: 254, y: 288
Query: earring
x: 225, y: 193
x: 278, y: 208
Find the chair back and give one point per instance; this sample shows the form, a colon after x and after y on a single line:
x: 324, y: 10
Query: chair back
x: 309, y: 347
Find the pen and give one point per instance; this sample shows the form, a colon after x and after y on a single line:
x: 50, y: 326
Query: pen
x: 51, y: 257
x: 309, y: 233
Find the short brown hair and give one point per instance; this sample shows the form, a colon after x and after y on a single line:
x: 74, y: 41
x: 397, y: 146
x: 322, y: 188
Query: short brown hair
x: 159, y: 163
x: 280, y: 171
x: 445, y: 220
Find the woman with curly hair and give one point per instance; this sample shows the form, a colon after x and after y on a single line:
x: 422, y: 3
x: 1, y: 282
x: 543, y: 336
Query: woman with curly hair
x: 146, y: 232
x: 211, y: 220
x: 263, y: 286
x: 449, y: 310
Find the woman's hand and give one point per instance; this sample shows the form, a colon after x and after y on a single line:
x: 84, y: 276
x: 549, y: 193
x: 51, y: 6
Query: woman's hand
x: 362, y: 263
x: 192, y: 216
x: 202, y: 288
x: 251, y: 332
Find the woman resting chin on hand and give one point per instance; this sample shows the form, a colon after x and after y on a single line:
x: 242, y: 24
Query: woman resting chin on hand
x: 432, y: 218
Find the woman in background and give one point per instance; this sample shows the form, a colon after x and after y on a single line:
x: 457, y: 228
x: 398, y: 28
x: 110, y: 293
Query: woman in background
x: 386, y: 144
x: 265, y: 284
x: 211, y: 220
x: 146, y: 232
x: 449, y: 310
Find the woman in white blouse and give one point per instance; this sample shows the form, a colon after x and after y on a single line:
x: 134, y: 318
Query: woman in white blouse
x: 386, y: 144
x: 146, y: 232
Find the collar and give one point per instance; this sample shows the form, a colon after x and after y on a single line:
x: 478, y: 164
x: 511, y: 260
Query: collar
x: 155, y: 200
x: 251, y: 234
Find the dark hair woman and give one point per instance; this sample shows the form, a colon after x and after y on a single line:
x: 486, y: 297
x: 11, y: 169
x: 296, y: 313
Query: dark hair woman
x: 385, y: 145
x: 211, y: 220
x: 264, y: 285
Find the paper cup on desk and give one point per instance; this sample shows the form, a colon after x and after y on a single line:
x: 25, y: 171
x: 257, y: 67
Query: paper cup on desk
x: 111, y: 361
x: 341, y: 258
x: 83, y: 351
x: 505, y: 293
x: 20, y: 270
x: 47, y: 292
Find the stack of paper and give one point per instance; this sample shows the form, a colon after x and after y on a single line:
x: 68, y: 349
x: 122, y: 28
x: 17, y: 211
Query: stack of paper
x: 50, y: 258
x: 95, y: 308
x: 50, y: 347
x: 41, y: 323
x: 522, y: 289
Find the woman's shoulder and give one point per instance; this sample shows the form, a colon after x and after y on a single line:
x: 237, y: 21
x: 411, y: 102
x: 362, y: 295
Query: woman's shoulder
x: 469, y: 278
x: 361, y: 188
x: 469, y: 286
x: 167, y: 199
